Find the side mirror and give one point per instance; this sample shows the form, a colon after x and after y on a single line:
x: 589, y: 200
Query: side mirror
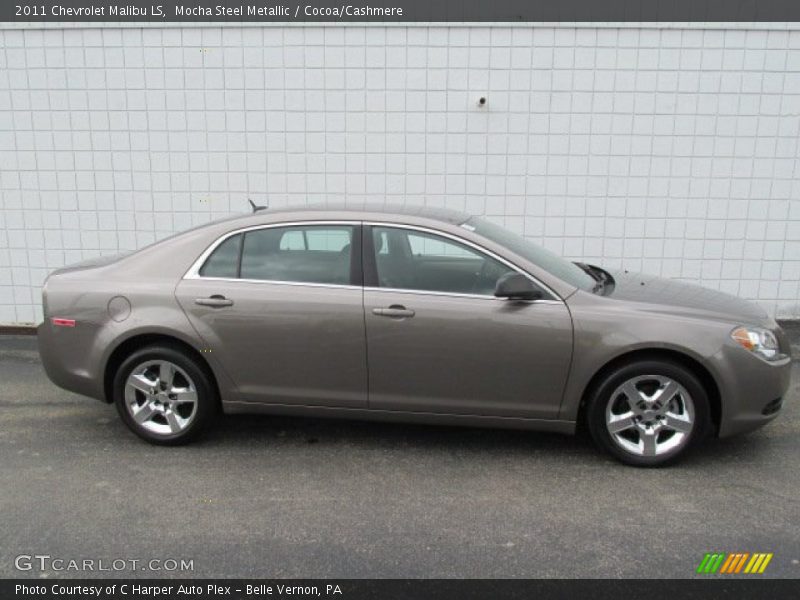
x: 515, y: 286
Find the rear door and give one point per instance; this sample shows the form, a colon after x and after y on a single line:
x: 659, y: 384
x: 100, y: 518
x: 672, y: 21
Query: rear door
x: 281, y: 308
x: 439, y: 341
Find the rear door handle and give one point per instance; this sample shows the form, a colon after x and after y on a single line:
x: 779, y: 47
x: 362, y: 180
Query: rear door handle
x: 395, y: 311
x: 215, y: 301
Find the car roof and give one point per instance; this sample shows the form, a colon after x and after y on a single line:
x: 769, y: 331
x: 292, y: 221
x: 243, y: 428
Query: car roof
x: 355, y: 211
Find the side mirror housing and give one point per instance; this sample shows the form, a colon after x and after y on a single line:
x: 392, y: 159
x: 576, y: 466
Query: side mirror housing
x: 515, y: 286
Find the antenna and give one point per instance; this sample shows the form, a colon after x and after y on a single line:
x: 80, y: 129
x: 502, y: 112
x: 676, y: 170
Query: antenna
x: 256, y: 208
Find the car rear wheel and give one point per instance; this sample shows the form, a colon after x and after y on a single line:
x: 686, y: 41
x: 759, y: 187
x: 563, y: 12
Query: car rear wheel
x: 649, y: 413
x: 164, y: 396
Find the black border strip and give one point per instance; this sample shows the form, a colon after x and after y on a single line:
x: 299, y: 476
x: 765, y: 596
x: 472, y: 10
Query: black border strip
x: 752, y: 588
x: 400, y: 11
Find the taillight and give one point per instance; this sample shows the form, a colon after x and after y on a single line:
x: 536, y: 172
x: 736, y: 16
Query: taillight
x: 63, y: 322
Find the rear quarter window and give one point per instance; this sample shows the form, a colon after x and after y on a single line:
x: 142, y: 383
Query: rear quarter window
x: 224, y: 260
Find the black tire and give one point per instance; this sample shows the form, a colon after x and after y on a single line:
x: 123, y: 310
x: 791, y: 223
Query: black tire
x: 207, y: 402
x: 600, y: 398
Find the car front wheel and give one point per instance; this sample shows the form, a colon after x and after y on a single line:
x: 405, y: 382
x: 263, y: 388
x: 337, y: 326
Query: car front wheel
x: 164, y: 396
x: 649, y: 413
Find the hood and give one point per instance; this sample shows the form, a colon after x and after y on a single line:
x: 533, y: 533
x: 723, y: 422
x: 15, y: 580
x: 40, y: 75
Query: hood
x: 669, y: 295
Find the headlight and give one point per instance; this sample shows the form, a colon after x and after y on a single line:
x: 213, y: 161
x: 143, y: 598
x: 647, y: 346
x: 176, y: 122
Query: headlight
x: 758, y: 341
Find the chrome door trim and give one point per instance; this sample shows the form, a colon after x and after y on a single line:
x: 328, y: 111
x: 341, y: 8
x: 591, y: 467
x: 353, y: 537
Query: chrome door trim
x: 194, y: 270
x: 556, y: 299
x: 342, y: 286
x: 458, y: 295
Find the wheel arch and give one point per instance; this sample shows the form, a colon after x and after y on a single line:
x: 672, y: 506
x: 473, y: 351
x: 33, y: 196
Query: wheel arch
x: 692, y: 364
x: 130, y: 345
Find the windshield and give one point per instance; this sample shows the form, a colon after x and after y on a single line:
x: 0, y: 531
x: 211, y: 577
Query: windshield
x: 552, y: 263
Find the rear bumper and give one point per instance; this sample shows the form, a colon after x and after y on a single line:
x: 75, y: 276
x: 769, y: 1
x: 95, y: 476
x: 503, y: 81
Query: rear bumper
x: 755, y: 390
x: 63, y: 351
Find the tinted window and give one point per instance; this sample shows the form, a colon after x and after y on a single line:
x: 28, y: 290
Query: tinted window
x: 309, y: 254
x: 224, y: 261
x: 331, y: 240
x: 293, y: 240
x: 381, y: 242
x: 414, y: 260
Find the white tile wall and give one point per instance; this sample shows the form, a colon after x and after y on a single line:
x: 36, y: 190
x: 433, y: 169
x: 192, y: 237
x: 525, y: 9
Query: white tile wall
x: 673, y: 151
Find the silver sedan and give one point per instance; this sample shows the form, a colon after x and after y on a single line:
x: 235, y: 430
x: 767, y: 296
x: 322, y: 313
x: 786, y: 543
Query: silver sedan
x: 407, y: 314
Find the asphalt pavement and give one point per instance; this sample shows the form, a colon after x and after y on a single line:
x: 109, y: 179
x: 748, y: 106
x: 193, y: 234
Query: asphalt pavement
x: 292, y: 497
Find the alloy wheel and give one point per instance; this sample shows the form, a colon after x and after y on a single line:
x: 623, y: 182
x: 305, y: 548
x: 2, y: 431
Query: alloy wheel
x: 161, y: 397
x: 650, y: 415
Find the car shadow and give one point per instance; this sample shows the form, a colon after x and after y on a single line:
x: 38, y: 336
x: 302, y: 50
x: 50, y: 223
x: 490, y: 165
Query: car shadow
x: 257, y: 433
x: 753, y: 446
x: 282, y: 432
x: 246, y: 430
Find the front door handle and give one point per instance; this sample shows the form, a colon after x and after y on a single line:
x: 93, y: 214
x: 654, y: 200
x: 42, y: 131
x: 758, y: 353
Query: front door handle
x: 215, y: 301
x: 396, y: 311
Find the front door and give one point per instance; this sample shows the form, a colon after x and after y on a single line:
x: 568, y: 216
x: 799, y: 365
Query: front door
x: 281, y: 308
x: 439, y: 341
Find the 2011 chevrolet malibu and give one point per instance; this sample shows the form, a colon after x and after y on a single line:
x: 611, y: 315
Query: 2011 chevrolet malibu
x: 407, y: 314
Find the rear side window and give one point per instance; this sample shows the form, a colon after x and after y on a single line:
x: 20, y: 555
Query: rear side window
x: 305, y: 254
x: 224, y: 261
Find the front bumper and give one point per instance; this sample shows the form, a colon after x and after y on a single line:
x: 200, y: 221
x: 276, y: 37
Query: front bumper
x: 752, y: 389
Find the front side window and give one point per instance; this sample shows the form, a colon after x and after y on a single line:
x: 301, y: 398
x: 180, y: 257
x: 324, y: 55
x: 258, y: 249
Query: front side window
x: 297, y: 253
x: 415, y: 260
x: 552, y: 263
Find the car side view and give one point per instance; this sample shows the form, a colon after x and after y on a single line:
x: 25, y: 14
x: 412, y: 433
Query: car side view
x: 407, y: 314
